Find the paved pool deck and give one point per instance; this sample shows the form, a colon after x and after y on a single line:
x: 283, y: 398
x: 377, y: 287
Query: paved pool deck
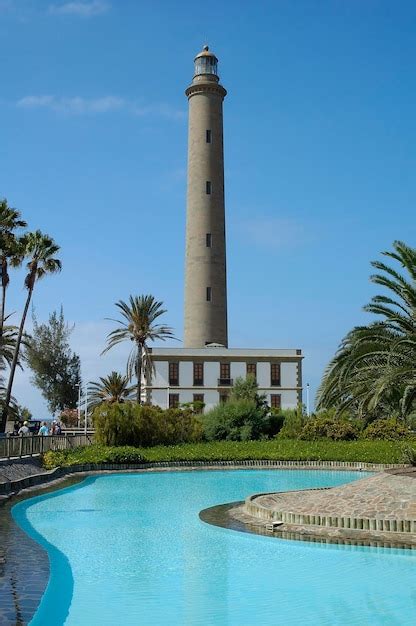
x: 379, y: 508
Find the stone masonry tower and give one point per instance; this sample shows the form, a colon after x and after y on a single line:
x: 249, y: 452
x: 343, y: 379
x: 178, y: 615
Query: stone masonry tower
x: 205, y: 271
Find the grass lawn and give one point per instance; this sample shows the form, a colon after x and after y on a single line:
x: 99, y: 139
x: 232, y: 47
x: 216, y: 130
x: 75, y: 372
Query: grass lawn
x: 276, y: 449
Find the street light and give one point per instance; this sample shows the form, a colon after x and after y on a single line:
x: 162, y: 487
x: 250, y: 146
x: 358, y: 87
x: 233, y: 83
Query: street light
x: 86, y: 409
x: 79, y: 403
x: 307, y: 400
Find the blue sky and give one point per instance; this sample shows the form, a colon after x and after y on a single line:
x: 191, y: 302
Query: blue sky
x: 320, y: 138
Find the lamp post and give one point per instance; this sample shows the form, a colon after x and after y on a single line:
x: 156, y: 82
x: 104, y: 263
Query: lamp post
x: 79, y: 403
x: 86, y: 410
x: 307, y: 400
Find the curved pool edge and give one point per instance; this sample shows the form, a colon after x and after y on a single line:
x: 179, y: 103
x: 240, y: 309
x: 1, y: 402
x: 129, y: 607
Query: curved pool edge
x: 226, y: 517
x: 58, y: 474
x: 243, y: 517
x: 26, y: 557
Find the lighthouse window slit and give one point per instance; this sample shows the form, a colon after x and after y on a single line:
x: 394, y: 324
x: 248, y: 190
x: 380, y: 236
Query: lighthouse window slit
x: 208, y: 294
x: 208, y: 240
x: 208, y: 136
x: 208, y: 187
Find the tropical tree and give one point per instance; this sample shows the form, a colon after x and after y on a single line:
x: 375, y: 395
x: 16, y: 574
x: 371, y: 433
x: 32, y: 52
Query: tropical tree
x: 56, y: 368
x: 374, y: 370
x: 10, y: 250
x: 138, y: 326
x: 40, y: 249
x: 8, y: 344
x: 112, y: 388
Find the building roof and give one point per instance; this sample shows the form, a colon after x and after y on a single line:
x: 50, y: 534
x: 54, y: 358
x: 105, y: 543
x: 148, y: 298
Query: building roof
x: 206, y: 52
x: 229, y: 353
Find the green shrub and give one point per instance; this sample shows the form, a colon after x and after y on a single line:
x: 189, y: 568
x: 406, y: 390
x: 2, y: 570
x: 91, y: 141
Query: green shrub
x: 388, y: 428
x: 329, y: 427
x: 129, y: 423
x: 409, y: 455
x: 411, y: 421
x: 293, y: 423
x: 237, y: 420
x: 275, y: 423
x: 92, y: 454
x: 274, y: 449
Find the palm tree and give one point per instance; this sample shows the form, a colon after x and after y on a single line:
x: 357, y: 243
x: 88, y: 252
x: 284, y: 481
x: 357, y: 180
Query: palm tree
x: 10, y: 250
x: 112, y: 388
x: 41, y: 250
x: 8, y: 344
x: 138, y: 325
x: 374, y: 369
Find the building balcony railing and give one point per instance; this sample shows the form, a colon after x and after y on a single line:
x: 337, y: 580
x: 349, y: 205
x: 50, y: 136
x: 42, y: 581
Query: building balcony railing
x: 225, y: 382
x: 198, y: 382
x: 275, y: 383
x: 173, y: 382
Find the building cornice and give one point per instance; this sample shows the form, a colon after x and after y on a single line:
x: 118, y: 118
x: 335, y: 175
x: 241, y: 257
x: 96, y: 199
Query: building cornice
x: 202, y: 88
x: 178, y: 388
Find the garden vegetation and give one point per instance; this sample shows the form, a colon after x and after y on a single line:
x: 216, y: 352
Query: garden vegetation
x: 373, y: 374
x: 277, y: 449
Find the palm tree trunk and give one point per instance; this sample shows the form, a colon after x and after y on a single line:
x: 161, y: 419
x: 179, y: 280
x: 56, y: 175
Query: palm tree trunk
x: 139, y: 364
x: 14, y: 363
x: 3, y: 307
x: 3, y: 295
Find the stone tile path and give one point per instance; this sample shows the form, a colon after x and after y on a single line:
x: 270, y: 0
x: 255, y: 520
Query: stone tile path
x: 384, y: 504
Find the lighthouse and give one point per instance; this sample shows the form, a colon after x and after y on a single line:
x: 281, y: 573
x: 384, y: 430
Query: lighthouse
x: 205, y: 257
x: 202, y: 373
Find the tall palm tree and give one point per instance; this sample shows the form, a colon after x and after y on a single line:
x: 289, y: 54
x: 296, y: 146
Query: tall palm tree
x: 138, y: 325
x: 112, y: 388
x: 7, y: 344
x: 40, y: 249
x: 374, y: 369
x: 10, y: 250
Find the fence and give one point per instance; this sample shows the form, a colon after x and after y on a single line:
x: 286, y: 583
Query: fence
x: 16, y: 447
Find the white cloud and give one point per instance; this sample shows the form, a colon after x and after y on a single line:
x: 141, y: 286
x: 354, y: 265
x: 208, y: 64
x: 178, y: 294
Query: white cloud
x: 73, y: 106
x: 161, y: 110
x: 78, y: 105
x: 274, y: 232
x: 81, y: 9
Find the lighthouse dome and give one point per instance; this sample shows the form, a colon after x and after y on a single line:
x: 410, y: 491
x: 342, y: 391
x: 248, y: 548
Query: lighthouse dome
x: 206, y: 62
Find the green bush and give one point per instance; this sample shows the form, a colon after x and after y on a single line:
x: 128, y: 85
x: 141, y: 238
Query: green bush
x: 388, y: 428
x: 293, y: 423
x: 329, y: 427
x: 237, y: 420
x: 129, y: 423
x: 92, y: 454
x: 409, y: 455
x: 273, y: 449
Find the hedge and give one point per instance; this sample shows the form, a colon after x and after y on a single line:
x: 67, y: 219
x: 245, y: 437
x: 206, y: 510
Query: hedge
x: 276, y: 449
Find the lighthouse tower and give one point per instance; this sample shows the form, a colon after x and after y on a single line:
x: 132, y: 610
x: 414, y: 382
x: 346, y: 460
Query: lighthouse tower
x: 204, y: 371
x: 205, y: 265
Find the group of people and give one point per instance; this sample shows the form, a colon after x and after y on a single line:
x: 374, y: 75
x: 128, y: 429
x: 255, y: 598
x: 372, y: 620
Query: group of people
x: 23, y: 430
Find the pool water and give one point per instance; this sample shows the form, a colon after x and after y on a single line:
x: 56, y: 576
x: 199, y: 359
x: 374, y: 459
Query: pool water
x: 130, y: 550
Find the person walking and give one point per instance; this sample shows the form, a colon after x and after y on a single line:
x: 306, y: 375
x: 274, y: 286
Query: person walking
x: 43, y: 430
x: 23, y: 430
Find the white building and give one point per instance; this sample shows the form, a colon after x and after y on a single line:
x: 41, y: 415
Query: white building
x: 207, y: 375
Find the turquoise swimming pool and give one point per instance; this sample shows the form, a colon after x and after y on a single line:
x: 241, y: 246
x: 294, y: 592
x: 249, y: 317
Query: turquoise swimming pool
x: 130, y: 549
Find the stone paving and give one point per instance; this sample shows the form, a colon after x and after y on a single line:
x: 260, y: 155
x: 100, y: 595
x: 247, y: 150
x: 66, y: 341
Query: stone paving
x: 24, y: 572
x: 381, y: 506
x: 16, y: 469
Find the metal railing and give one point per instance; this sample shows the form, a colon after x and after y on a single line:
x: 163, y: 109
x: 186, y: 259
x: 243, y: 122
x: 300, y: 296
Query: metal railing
x: 225, y: 382
x: 17, y: 447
